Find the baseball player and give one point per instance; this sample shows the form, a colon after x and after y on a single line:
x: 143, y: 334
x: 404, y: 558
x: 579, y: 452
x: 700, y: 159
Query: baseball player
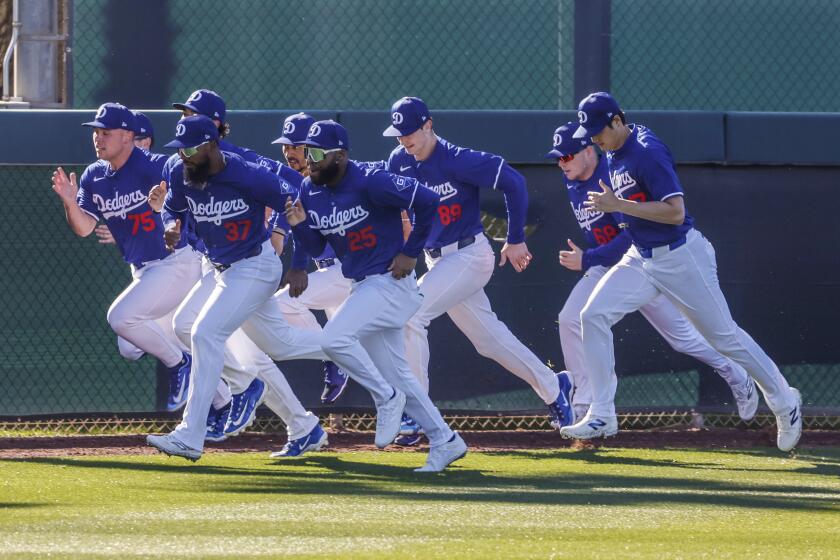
x: 358, y: 212
x: 668, y: 256
x: 227, y: 199
x: 326, y: 288
x: 113, y: 189
x: 609, y: 241
x: 460, y: 258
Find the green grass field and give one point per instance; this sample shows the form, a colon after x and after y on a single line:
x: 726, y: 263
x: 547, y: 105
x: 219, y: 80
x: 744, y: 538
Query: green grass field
x: 606, y: 503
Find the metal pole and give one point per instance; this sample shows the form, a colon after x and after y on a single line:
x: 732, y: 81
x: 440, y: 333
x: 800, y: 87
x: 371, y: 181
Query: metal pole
x: 6, y: 59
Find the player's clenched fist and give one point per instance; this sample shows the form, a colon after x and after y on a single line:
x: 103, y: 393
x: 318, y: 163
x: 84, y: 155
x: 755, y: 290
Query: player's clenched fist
x: 295, y: 214
x: 157, y: 195
x: 573, y: 260
x: 65, y: 187
x: 172, y: 235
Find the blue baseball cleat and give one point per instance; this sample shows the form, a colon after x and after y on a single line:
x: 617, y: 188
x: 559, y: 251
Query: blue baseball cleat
x: 243, y: 407
x: 561, y: 411
x: 335, y: 380
x: 313, y: 441
x: 408, y: 441
x: 216, y: 420
x: 179, y: 384
x: 409, y: 426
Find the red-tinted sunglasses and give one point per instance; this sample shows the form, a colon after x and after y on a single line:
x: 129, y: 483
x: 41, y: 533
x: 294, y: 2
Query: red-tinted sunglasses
x: 568, y: 158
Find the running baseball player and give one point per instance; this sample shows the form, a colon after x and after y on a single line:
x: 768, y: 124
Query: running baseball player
x: 460, y: 258
x: 227, y: 199
x: 326, y: 288
x: 608, y: 242
x: 358, y: 212
x: 668, y: 256
x: 113, y: 190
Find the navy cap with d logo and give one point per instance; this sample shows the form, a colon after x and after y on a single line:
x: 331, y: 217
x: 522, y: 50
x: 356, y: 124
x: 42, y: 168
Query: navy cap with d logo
x: 142, y: 126
x: 295, y: 129
x: 595, y: 111
x: 407, y: 115
x: 193, y: 131
x: 113, y: 116
x: 565, y: 144
x: 204, y: 102
x: 327, y: 135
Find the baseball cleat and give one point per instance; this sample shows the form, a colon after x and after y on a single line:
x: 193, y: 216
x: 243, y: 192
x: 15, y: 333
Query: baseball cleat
x: 243, y: 407
x: 441, y: 456
x: 591, y: 426
x: 179, y: 384
x: 409, y: 426
x: 170, y: 445
x: 216, y: 420
x: 408, y: 441
x: 561, y: 411
x: 313, y: 441
x: 789, y: 424
x: 388, y: 419
x: 335, y: 380
x: 746, y: 398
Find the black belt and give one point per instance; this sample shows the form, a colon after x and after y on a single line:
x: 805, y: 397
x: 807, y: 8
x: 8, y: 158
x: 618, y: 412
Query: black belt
x: 648, y: 253
x: 324, y: 263
x: 253, y: 253
x: 465, y: 242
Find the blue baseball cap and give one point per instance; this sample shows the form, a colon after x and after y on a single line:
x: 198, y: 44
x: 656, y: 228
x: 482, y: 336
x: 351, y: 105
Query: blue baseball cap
x: 565, y: 144
x: 595, y: 111
x: 204, y: 102
x: 407, y: 115
x: 143, y: 126
x: 193, y: 131
x: 327, y: 135
x: 295, y: 129
x: 112, y: 116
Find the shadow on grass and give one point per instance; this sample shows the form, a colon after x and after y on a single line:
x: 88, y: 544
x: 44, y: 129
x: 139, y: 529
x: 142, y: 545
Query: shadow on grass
x: 337, y: 476
x: 21, y: 505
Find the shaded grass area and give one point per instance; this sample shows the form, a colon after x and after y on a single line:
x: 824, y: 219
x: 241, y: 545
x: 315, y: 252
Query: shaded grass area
x: 583, y: 504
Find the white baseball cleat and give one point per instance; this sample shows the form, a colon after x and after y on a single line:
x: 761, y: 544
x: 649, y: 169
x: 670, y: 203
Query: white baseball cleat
x: 789, y: 424
x: 171, y: 446
x: 443, y: 455
x: 590, y: 427
x: 388, y: 419
x: 746, y: 398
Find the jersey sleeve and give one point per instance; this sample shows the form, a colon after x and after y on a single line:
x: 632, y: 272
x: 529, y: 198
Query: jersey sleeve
x: 270, y: 189
x: 607, y: 254
x: 409, y: 194
x: 175, y: 203
x: 659, y: 176
x: 84, y: 198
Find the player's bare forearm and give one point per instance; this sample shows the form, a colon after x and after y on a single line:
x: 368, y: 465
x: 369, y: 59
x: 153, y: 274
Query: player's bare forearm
x: 81, y: 223
x: 278, y: 241
x: 671, y: 211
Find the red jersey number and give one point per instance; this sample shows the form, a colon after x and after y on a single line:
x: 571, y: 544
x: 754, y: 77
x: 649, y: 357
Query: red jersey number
x: 238, y: 230
x: 449, y: 213
x: 143, y: 220
x: 362, y: 239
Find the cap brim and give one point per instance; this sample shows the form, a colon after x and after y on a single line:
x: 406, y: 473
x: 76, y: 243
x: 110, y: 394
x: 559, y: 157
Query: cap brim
x: 94, y: 124
x: 582, y: 132
x: 182, y: 106
x: 176, y: 144
x: 283, y: 140
x: 392, y: 132
x: 553, y: 154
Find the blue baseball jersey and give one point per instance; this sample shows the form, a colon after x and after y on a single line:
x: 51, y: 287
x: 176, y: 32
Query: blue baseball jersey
x: 229, y: 211
x: 606, y: 239
x: 119, y: 198
x: 457, y: 175
x: 245, y: 153
x: 643, y: 170
x: 360, y: 218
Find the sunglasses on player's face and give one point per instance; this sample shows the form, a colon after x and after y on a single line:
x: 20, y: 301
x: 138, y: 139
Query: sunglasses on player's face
x: 567, y: 159
x: 317, y: 154
x: 190, y: 152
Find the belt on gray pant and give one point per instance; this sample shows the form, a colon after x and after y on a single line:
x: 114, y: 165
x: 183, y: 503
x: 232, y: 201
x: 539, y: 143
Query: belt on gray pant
x: 465, y: 242
x: 324, y: 263
x: 253, y: 253
x: 648, y: 253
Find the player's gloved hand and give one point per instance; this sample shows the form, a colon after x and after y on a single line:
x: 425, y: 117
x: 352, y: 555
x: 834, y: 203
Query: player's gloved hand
x: 172, y: 235
x: 517, y: 254
x: 104, y: 235
x: 573, y: 260
x: 604, y: 201
x: 157, y: 195
x: 65, y: 187
x: 298, y: 281
x: 401, y: 266
x: 295, y: 213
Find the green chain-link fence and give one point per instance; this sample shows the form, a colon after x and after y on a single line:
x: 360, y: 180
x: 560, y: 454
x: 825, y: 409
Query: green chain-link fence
x: 750, y: 55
